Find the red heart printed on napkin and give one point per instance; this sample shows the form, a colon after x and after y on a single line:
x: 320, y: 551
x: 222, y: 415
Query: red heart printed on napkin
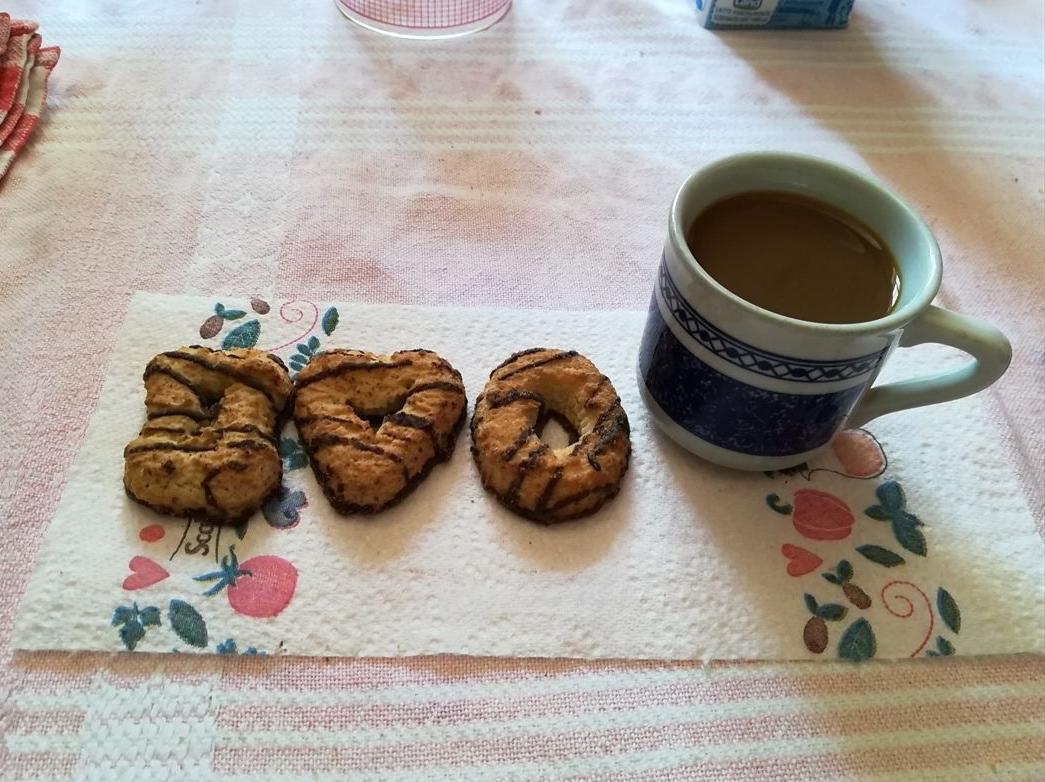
x: 800, y: 560
x: 144, y: 573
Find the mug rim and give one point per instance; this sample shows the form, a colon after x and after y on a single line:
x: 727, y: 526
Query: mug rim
x: 891, y: 320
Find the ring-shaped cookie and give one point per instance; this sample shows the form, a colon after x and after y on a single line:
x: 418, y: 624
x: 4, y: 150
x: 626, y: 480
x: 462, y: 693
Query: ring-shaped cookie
x: 528, y: 476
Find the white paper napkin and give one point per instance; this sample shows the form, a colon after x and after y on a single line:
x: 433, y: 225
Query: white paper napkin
x: 935, y: 555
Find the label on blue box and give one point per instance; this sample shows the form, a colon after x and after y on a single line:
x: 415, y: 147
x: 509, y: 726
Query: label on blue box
x: 774, y: 13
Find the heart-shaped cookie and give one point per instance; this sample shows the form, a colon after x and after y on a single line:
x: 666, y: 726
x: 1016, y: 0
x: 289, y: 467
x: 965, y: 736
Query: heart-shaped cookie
x: 144, y: 573
x: 374, y: 425
x: 800, y: 561
x: 208, y: 446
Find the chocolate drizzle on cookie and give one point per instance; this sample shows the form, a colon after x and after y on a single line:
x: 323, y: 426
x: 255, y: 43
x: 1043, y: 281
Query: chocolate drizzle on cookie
x: 539, y: 363
x: 400, y: 414
x: 346, y: 368
x: 216, y: 459
x: 546, y: 484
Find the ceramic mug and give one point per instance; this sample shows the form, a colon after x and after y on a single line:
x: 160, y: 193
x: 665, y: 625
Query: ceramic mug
x: 744, y: 387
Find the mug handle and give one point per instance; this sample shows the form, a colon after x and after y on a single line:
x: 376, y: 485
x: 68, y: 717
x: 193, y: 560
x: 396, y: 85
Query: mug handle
x: 989, y: 348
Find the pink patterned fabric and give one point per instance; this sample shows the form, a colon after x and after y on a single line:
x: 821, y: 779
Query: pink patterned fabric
x: 219, y: 148
x: 424, y: 14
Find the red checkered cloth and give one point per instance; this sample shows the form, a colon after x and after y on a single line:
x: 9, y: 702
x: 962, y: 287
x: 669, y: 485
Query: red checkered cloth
x: 23, y: 26
x: 12, y: 66
x: 17, y: 38
x: 24, y: 70
x: 14, y: 86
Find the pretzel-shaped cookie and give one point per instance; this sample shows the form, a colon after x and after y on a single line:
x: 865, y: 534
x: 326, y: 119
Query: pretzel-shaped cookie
x: 208, y: 446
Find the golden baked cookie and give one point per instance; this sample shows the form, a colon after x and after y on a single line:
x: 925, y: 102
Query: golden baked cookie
x: 528, y: 476
x: 208, y: 446
x: 373, y: 425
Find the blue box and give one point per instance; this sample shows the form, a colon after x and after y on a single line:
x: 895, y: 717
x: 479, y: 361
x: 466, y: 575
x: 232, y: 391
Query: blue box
x: 773, y: 13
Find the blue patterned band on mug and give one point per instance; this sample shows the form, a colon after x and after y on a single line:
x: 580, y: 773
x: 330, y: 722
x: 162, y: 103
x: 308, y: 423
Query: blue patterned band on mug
x: 754, y: 359
x: 742, y: 416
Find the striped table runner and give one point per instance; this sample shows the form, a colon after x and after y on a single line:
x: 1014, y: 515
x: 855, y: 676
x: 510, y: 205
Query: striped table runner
x: 237, y: 146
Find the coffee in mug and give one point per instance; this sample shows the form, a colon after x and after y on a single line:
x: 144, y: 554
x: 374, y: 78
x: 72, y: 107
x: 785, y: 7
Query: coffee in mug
x: 796, y: 256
